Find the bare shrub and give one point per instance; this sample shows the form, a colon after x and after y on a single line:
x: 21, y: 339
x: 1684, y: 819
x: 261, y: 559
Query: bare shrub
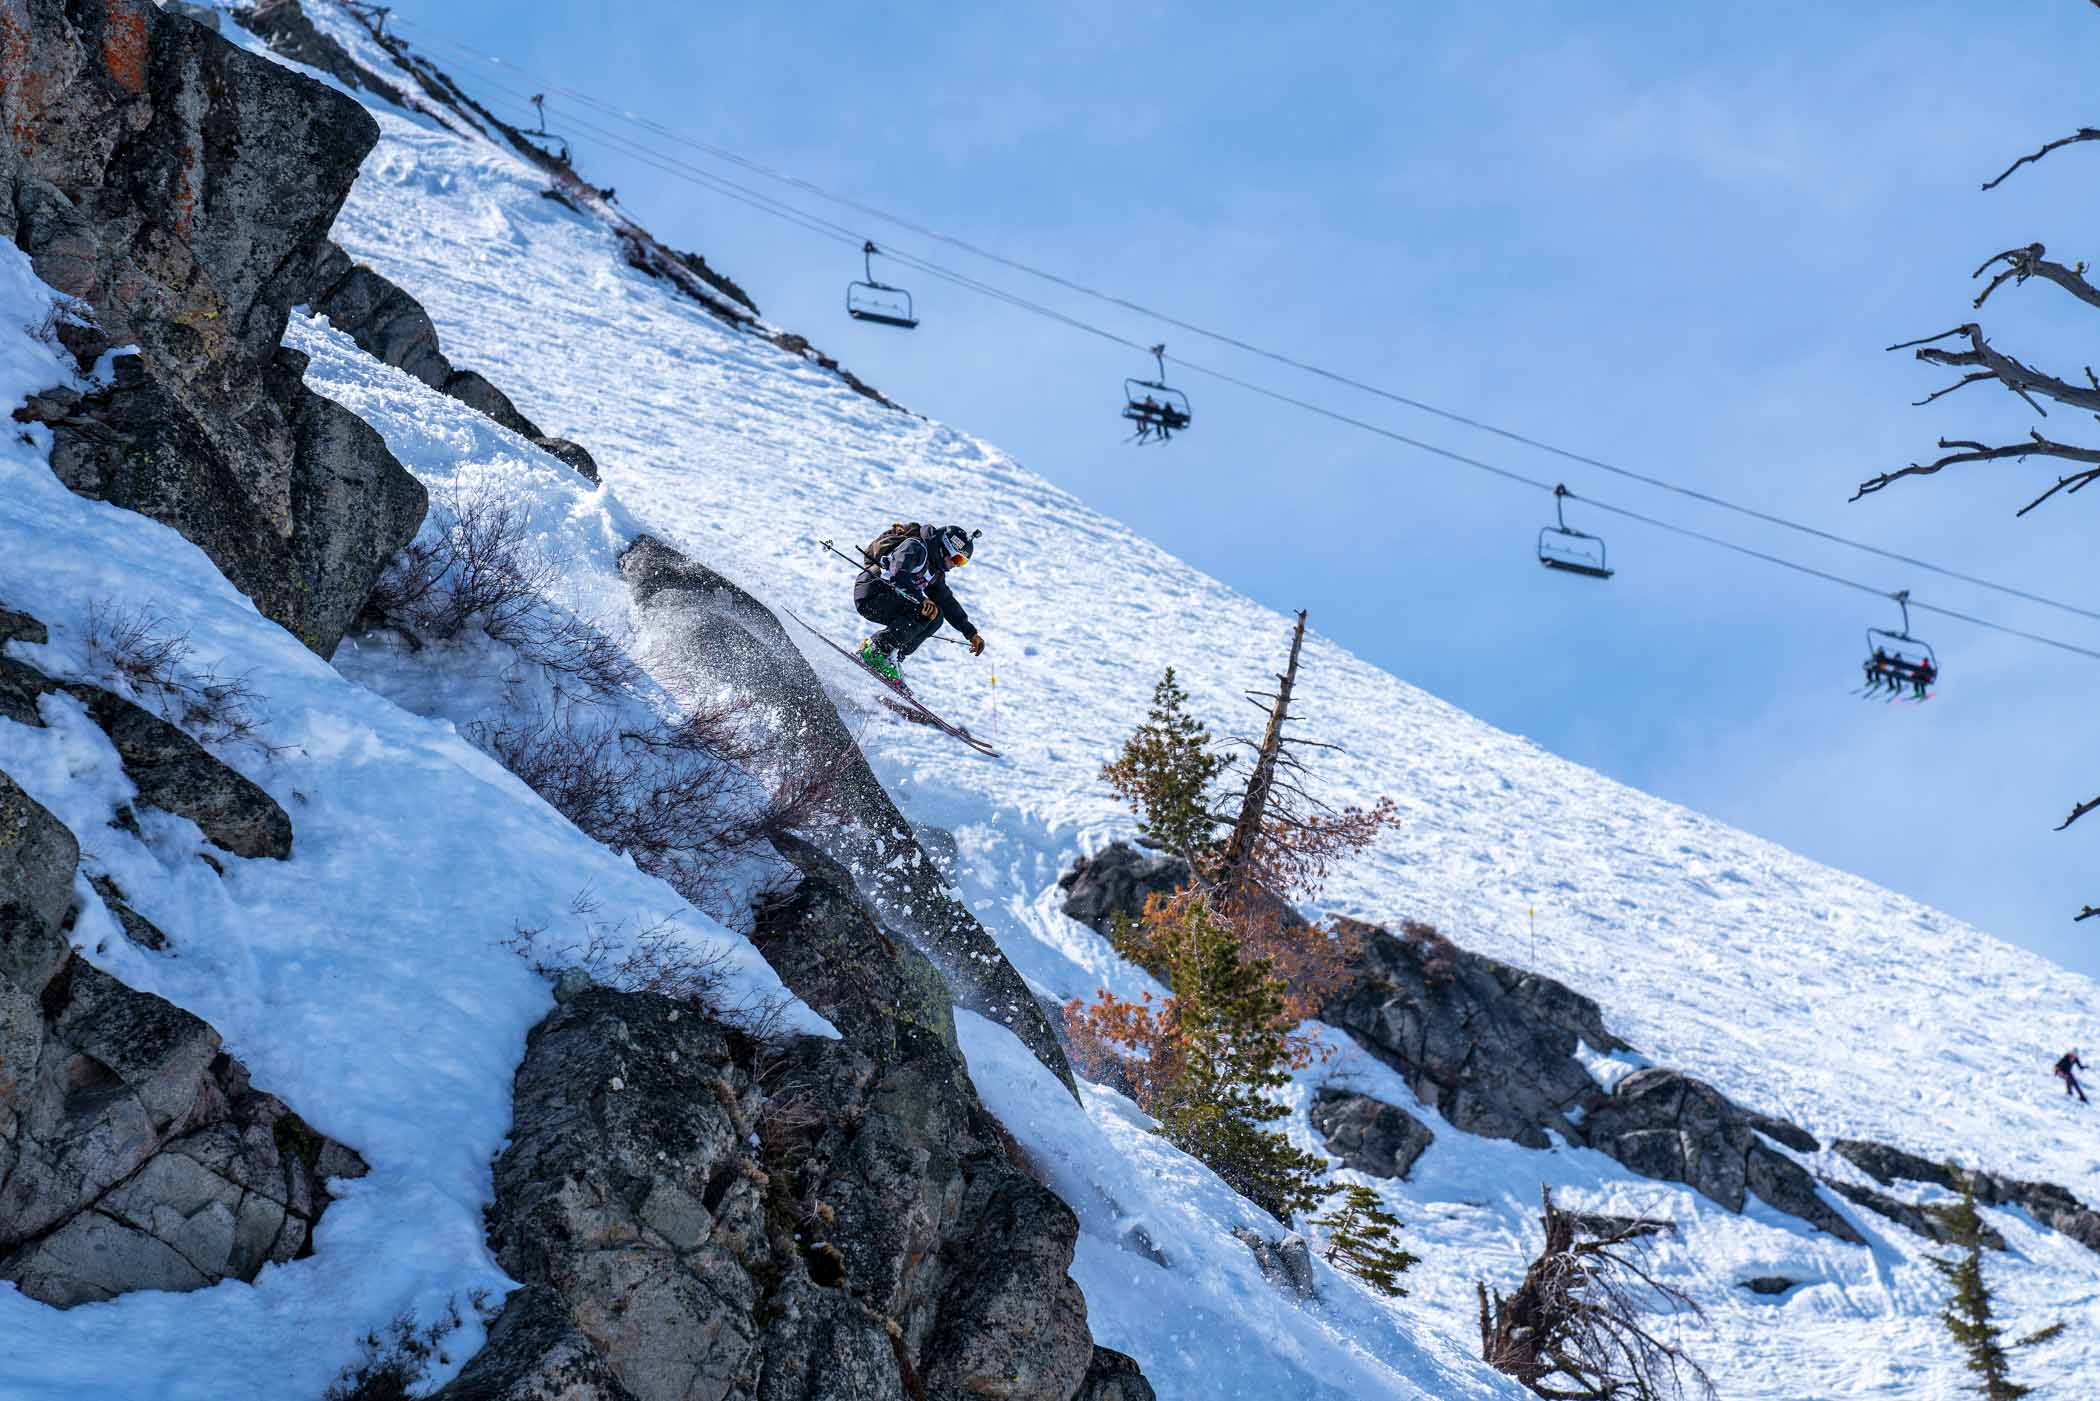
x: 681, y: 808
x: 148, y: 655
x: 686, y: 798
x: 655, y: 958
x: 61, y: 313
x: 1438, y: 954
x: 479, y: 572
x: 1574, y: 1327
x: 394, y: 1364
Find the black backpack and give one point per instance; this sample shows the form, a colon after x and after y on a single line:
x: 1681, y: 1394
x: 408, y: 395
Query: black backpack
x: 882, y: 544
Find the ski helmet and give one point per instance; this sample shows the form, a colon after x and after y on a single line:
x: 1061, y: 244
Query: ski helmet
x: 957, y: 545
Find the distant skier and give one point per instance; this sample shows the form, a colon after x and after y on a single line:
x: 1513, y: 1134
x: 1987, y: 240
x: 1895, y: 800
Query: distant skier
x: 905, y: 588
x: 2065, y: 1064
x: 1924, y: 675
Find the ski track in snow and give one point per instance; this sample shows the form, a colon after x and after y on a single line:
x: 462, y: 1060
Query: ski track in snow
x: 383, y: 1011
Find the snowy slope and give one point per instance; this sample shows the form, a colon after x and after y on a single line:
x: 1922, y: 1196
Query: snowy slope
x: 1794, y: 988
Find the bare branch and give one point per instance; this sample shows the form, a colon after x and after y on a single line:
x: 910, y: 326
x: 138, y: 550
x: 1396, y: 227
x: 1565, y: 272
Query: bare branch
x: 1963, y: 382
x: 2077, y: 812
x: 2070, y: 486
x: 2084, y: 133
x: 2023, y: 263
x: 2011, y: 373
x: 1969, y: 451
x: 1926, y: 340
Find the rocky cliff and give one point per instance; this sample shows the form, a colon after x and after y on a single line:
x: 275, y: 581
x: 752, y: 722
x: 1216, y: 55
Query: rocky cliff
x: 181, y: 191
x: 725, y: 1217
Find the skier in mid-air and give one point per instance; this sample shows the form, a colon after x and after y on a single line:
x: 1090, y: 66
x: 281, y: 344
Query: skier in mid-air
x: 905, y: 589
x: 2065, y: 1064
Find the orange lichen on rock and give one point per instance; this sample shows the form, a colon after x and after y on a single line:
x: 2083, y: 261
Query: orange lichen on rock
x: 21, y: 86
x: 124, y: 48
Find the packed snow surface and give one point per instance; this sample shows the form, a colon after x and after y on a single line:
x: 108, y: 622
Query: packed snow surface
x: 385, y: 1014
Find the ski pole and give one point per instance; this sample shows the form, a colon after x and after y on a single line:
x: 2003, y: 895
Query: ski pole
x: 891, y: 584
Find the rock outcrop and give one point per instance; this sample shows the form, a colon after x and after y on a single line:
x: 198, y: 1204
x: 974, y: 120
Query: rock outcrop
x: 1768, y: 1284
x: 391, y: 326
x: 134, y: 1153
x: 1367, y: 1134
x: 826, y: 1218
x: 1929, y: 1222
x: 1117, y: 880
x: 180, y: 189
x: 1113, y: 1377
x: 1667, y: 1125
x: 1490, y: 1045
x: 2053, y: 1206
x: 172, y: 771
x: 1285, y: 1262
x: 534, y: 1353
x: 711, y: 630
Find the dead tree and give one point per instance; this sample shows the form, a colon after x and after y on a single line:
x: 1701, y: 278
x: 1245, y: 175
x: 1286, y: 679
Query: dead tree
x: 1574, y: 1330
x: 1282, y: 838
x: 1968, y: 349
x: 1236, y: 866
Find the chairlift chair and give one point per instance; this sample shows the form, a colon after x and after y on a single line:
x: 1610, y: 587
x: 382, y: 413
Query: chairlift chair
x: 539, y: 130
x: 1574, y: 551
x: 1909, y: 655
x: 878, y: 301
x: 1157, y: 408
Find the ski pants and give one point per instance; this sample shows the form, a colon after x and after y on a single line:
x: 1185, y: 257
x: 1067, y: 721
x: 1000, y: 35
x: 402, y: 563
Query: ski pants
x: 902, y: 627
x: 2071, y: 1085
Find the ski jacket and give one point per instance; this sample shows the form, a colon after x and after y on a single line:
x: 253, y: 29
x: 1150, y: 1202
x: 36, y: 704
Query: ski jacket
x: 929, y: 580
x: 2064, y: 1066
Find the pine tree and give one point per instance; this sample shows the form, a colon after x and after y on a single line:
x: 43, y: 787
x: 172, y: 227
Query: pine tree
x: 1360, y: 1235
x: 1165, y: 772
x: 1233, y: 1050
x: 1968, y: 1312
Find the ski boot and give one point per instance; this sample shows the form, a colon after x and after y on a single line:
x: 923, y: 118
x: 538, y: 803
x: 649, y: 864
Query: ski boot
x: 882, y: 664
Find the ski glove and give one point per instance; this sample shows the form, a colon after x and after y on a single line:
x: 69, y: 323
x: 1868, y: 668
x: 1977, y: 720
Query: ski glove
x: 976, y: 644
x: 929, y: 610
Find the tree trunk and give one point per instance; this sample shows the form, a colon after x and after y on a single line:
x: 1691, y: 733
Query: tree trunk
x: 1254, y: 807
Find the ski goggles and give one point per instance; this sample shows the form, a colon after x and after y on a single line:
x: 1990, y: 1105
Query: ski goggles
x: 956, y: 561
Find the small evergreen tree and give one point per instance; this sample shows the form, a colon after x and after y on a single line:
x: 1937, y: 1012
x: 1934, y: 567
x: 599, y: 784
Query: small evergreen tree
x: 1165, y: 773
x: 1968, y: 1311
x: 1205, y: 1062
x: 1360, y: 1235
x: 1235, y: 1050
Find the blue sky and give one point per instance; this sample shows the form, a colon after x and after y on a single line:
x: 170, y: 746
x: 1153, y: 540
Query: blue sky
x: 1673, y: 237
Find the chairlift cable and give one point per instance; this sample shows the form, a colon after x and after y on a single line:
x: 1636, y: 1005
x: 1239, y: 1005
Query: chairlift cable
x: 1279, y: 357
x: 825, y: 228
